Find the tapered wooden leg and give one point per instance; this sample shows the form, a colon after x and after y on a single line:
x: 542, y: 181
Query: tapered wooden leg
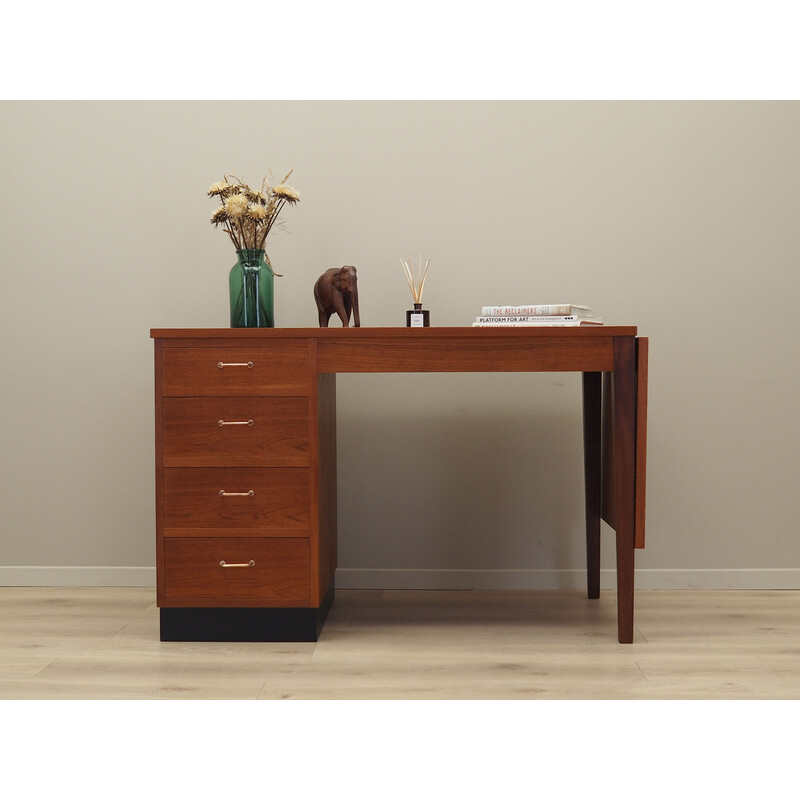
x: 592, y: 417
x: 624, y: 433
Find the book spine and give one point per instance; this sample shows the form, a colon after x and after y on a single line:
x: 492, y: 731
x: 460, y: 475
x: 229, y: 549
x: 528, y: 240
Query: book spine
x: 518, y: 311
x: 539, y: 320
x: 574, y: 324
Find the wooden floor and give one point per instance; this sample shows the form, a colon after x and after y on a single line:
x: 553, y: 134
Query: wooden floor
x: 103, y: 643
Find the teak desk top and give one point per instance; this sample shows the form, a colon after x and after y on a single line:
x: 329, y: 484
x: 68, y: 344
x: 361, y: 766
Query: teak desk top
x: 529, y: 349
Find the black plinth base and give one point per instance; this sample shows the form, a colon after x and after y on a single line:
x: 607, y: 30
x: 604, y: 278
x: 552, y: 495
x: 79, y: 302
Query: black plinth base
x: 244, y: 624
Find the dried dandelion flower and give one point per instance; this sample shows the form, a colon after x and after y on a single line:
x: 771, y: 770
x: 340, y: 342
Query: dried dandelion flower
x: 256, y: 212
x: 219, y: 216
x: 235, y: 206
x: 285, y: 192
x: 221, y: 188
x: 256, y: 197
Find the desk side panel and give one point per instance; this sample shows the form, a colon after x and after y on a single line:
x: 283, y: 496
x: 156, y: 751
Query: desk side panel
x: 159, y: 468
x: 642, y: 354
x: 327, y: 487
x: 609, y: 503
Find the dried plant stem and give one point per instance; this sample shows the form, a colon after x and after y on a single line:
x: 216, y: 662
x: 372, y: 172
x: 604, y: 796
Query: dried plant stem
x: 424, y: 274
x: 409, y: 279
x: 271, y: 222
x: 415, y: 284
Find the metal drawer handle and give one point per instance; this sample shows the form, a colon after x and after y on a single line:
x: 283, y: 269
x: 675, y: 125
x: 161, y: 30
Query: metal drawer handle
x: 248, y: 364
x: 247, y: 422
x: 223, y: 493
x: 250, y: 563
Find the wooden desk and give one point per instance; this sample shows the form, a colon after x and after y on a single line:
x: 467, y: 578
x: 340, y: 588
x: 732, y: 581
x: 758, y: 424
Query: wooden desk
x: 246, y: 459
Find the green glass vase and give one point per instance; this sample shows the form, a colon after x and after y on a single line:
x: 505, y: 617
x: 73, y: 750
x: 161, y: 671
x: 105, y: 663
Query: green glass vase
x: 251, y: 290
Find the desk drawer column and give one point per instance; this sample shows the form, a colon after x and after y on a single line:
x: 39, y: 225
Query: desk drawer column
x: 237, y: 489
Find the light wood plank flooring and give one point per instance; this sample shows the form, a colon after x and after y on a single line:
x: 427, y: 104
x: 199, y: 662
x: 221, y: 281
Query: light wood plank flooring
x: 103, y: 643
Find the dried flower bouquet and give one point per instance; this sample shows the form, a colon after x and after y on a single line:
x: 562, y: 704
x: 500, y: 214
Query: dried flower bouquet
x: 247, y: 216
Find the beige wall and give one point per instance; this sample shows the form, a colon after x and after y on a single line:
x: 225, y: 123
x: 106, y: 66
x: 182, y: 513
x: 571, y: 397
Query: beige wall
x: 681, y: 218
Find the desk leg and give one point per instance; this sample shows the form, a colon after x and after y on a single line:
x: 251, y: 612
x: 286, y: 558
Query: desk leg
x: 624, y: 434
x: 592, y: 420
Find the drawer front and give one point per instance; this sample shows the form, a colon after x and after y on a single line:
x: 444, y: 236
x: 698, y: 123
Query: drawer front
x: 190, y: 371
x: 235, y: 431
x: 274, y: 568
x: 217, y: 497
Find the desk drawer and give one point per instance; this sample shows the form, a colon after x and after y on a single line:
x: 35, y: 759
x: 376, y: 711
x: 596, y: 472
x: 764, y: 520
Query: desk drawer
x: 233, y: 497
x: 190, y: 371
x: 275, y: 568
x: 236, y: 431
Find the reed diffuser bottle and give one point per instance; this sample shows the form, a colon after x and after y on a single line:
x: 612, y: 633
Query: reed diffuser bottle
x: 418, y: 317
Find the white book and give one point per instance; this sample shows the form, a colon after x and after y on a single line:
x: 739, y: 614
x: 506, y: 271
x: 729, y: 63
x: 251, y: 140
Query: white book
x: 541, y: 310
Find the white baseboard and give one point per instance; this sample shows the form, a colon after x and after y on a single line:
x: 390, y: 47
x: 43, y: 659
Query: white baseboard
x: 574, y: 579
x: 478, y: 579
x: 77, y: 576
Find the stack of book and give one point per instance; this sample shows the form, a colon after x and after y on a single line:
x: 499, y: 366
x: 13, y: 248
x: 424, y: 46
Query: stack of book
x: 560, y: 315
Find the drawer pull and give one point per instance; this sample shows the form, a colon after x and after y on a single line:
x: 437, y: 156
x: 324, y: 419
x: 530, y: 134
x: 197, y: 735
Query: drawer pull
x: 250, y: 563
x: 247, y: 422
x: 223, y: 493
x: 248, y: 364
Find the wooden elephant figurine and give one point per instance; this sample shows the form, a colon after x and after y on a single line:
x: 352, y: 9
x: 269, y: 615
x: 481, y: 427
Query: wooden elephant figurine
x: 336, y: 291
